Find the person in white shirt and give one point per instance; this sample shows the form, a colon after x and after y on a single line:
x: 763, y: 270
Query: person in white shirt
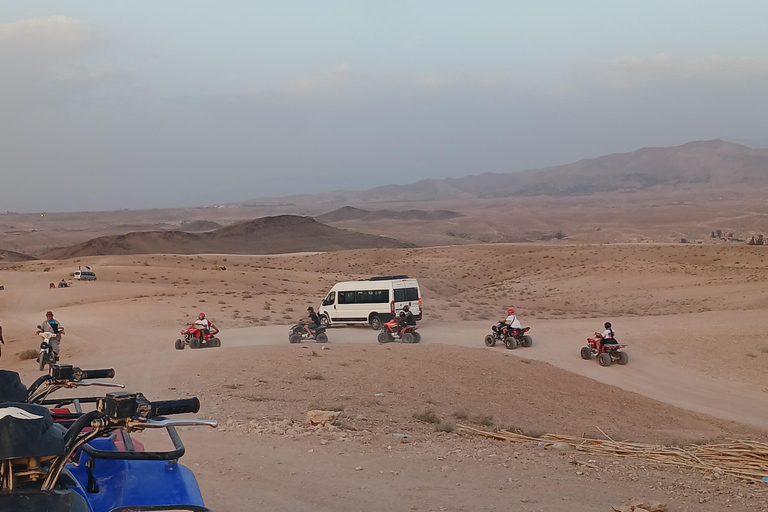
x: 511, y: 322
x: 608, y: 335
x: 205, y: 326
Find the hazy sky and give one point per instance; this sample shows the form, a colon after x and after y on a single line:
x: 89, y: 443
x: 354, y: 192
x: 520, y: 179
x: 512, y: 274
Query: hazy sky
x: 107, y: 105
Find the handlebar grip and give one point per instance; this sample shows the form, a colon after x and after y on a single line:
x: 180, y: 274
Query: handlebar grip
x: 181, y: 406
x: 106, y: 373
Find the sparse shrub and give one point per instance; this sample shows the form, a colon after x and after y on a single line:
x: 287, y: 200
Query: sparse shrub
x: 232, y: 386
x: 444, y: 426
x: 314, y: 376
x: 30, y: 353
x: 486, y: 421
x: 267, y: 306
x: 461, y: 415
x: 427, y: 416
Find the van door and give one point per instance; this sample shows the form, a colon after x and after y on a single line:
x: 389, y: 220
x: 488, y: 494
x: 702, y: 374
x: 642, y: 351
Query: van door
x: 329, y: 306
x: 406, y: 295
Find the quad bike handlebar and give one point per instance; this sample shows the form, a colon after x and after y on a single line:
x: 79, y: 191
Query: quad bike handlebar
x: 181, y: 406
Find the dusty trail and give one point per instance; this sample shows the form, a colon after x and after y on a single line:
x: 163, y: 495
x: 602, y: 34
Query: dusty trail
x: 649, y: 373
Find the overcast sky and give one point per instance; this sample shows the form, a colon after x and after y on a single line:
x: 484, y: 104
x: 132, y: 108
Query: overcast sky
x: 107, y: 105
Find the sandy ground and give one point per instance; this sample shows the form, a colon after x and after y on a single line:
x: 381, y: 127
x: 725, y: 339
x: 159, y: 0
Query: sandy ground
x: 692, y: 317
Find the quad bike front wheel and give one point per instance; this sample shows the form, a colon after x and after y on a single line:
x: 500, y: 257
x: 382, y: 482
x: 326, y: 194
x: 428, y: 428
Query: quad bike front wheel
x: 527, y: 341
x: 384, y: 337
x: 416, y: 337
x: 321, y: 338
x: 510, y: 343
x: 623, y: 357
x: 604, y: 359
x: 294, y: 338
x: 408, y: 337
x: 586, y: 353
x: 215, y: 342
x: 490, y: 341
x: 179, y: 345
x: 194, y: 343
x: 41, y: 360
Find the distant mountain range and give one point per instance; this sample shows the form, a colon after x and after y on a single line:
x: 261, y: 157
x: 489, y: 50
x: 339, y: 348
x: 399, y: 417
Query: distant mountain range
x: 267, y: 235
x: 707, y: 163
x: 351, y: 213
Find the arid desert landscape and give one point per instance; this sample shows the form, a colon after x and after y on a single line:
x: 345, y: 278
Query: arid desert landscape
x: 692, y: 315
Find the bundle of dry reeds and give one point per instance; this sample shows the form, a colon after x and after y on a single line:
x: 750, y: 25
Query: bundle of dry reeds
x: 744, y: 459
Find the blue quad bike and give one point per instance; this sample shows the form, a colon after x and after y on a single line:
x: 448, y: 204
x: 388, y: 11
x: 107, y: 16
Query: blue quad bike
x: 53, y: 459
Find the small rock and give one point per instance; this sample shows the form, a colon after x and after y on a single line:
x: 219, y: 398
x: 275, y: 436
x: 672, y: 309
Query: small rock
x: 524, y: 500
x: 323, y: 441
x: 560, y: 446
x: 322, y: 418
x: 359, y: 468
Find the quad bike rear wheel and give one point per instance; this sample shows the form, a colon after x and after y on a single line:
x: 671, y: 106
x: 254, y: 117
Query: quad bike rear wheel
x: 623, y: 357
x: 527, y: 341
x: 408, y: 337
x: 490, y: 341
x: 294, y: 338
x: 604, y: 359
x: 179, y: 344
x: 586, y: 353
x: 416, y: 337
x: 510, y: 343
x: 321, y: 338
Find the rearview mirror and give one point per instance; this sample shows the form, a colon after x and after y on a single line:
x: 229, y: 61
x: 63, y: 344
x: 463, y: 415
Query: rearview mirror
x: 39, y: 328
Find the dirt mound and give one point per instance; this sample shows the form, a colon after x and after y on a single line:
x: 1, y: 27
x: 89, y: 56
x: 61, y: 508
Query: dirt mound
x: 267, y: 235
x: 199, y: 225
x: 13, y: 257
x: 352, y: 213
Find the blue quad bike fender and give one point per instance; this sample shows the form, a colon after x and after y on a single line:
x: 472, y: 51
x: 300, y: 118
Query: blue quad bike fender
x: 143, y: 484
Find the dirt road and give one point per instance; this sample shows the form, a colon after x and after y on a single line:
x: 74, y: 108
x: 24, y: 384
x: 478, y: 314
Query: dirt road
x: 660, y: 376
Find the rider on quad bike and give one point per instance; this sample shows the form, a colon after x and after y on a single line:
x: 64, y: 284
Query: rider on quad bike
x: 205, y: 326
x: 405, y: 319
x: 607, y: 336
x: 311, y: 321
x: 511, y: 322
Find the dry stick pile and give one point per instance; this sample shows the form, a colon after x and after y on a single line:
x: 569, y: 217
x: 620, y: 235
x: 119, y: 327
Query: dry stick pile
x: 744, y: 459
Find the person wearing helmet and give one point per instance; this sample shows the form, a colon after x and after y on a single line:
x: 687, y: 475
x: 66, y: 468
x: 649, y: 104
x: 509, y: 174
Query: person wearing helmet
x: 204, y: 326
x: 607, y: 335
x: 409, y: 318
x: 511, y: 322
x: 311, y: 321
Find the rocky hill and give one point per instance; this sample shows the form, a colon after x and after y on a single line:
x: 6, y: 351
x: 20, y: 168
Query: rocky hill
x: 267, y: 235
x: 351, y: 213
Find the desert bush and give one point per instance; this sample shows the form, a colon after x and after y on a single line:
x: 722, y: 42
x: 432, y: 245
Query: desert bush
x: 30, y: 353
x: 314, y: 376
x: 427, y: 416
x: 486, y: 421
x: 444, y: 426
x: 461, y: 415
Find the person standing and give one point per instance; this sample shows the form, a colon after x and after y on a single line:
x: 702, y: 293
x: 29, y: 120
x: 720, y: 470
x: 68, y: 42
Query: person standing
x: 51, y: 325
x: 2, y: 341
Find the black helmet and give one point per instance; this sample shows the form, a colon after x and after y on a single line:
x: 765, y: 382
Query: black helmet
x: 406, y: 307
x: 402, y: 313
x: 607, y: 325
x: 310, y: 308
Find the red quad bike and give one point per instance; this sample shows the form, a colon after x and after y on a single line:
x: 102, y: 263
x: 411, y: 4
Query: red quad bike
x: 392, y: 331
x: 514, y: 337
x: 606, y: 354
x: 191, y: 336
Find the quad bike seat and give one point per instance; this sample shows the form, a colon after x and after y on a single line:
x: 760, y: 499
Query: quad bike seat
x: 27, y: 430
x: 11, y: 388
